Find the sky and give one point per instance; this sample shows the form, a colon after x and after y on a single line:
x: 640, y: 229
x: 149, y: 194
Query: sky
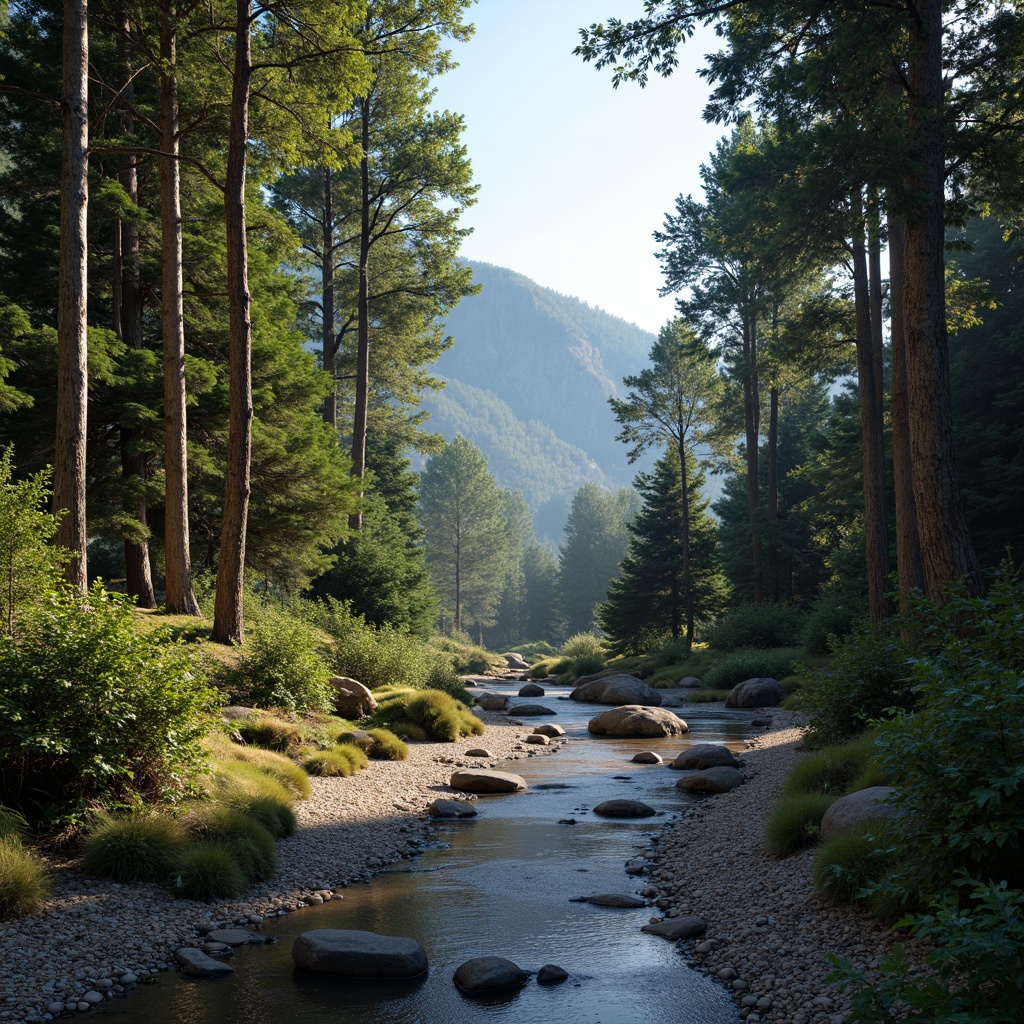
x: 574, y: 175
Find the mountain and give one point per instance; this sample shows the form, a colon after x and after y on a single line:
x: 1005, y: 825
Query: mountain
x: 529, y: 377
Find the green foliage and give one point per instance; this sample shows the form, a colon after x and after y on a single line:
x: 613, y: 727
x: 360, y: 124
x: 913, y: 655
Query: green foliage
x: 868, y: 679
x: 833, y: 615
x: 12, y: 824
x: 749, y: 663
x: 339, y: 761
x: 251, y: 845
x: 707, y: 696
x: 386, y: 746
x: 208, y: 871
x: 276, y: 817
x: 756, y: 625
x: 431, y: 713
x: 141, y: 848
x: 283, y: 666
x: 254, y: 771
x: 93, y: 710
x: 588, y: 665
x: 795, y: 823
x: 271, y: 733
x: 582, y: 645
x: 832, y: 770
x: 24, y: 880
x: 465, y: 657
x: 848, y: 864
x: 442, y: 677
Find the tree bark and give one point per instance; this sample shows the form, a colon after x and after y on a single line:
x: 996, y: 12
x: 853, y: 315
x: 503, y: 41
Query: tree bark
x: 330, y: 342
x: 72, y: 341
x: 773, y: 493
x: 362, y: 310
x: 684, y: 490
x: 179, y: 598
x: 947, y: 554
x: 752, y: 430
x: 227, y: 616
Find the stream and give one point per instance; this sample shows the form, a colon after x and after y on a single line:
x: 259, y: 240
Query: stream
x: 498, y: 884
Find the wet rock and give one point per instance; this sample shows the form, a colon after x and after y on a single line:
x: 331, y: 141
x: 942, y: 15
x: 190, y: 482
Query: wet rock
x: 196, y: 963
x: 615, y: 899
x: 552, y: 974
x: 232, y: 936
x: 451, y: 809
x: 637, y: 720
x: 705, y: 755
x: 531, y: 690
x: 647, y: 757
x: 538, y: 739
x: 677, y: 928
x: 550, y: 730
x: 615, y: 689
x: 711, y: 780
x: 624, y: 809
x: 357, y: 954
x: 492, y: 701
x: 483, y: 780
x: 532, y: 710
x: 755, y: 693
x: 490, y: 974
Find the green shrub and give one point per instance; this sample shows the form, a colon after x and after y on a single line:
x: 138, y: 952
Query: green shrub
x: 442, y: 677
x: 271, y: 733
x: 256, y: 770
x: 755, y: 625
x: 583, y: 645
x: 386, y: 746
x: 434, y: 714
x: 12, y: 824
x: 208, y: 871
x: 749, y: 663
x: 276, y: 817
x: 869, y: 679
x: 407, y: 730
x: 586, y: 666
x: 794, y: 702
x: 142, y: 848
x: 251, y: 844
x: 339, y: 761
x: 833, y: 769
x: 791, y: 684
x: 671, y: 652
x: 465, y: 657
x: 832, y: 617
x: 707, y: 696
x: 92, y: 710
x: 548, y: 667
x: 283, y: 666
x: 795, y: 823
x: 24, y: 880
x: 847, y: 865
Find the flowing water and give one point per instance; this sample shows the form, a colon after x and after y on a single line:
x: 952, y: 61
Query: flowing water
x: 499, y: 884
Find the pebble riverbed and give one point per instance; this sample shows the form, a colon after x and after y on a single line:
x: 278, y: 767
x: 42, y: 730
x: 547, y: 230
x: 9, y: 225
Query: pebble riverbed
x: 767, y: 935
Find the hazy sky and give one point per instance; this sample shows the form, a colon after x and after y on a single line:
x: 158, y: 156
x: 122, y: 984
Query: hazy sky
x: 574, y: 175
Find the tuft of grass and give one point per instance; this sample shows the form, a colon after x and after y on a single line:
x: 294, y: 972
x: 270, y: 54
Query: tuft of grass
x: 874, y: 774
x: 271, y: 733
x: 137, y: 849
x: 251, y: 844
x: 794, y: 702
x: 436, y: 715
x: 407, y: 730
x: 339, y: 761
x: 706, y: 696
x: 275, y: 766
x: 831, y: 769
x: 387, y: 746
x: 12, y: 824
x: 208, y: 871
x: 848, y: 864
x: 750, y: 663
x: 24, y: 880
x: 277, y: 818
x: 795, y: 823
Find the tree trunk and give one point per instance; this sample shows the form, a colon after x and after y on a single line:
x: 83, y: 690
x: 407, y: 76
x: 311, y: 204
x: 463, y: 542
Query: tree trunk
x: 330, y: 342
x: 947, y: 553
x: 684, y: 489
x: 362, y: 310
x: 227, y: 617
x: 72, y: 341
x: 773, y: 493
x: 908, y: 547
x: 876, y: 527
x: 752, y: 430
x: 128, y: 326
x: 179, y: 599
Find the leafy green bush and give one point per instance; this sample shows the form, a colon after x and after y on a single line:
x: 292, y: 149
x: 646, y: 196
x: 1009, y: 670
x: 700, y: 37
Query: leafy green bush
x: 588, y: 665
x: 849, y: 864
x: 251, y: 845
x: 24, y: 880
x: 755, y: 625
x: 276, y: 817
x: 92, y: 710
x: 749, y: 663
x: 436, y: 715
x: 283, y: 666
x: 386, y: 746
x: 442, y: 677
x: 465, y: 657
x: 832, y: 617
x: 833, y: 769
x: 141, y: 848
x: 795, y: 823
x: 208, y: 871
x: 548, y: 667
x: 868, y: 678
x: 339, y: 761
x: 583, y: 645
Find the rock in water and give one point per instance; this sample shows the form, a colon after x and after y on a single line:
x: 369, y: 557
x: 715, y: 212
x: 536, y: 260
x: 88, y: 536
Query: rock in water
x: 199, y: 965
x: 615, y: 689
x: 705, y: 755
x: 550, y: 730
x: 490, y: 974
x: 491, y: 701
x: 755, y: 693
x: 552, y: 974
x: 624, y: 809
x: 527, y: 710
x: 615, y: 899
x: 355, y: 954
x: 711, y: 780
x: 677, y: 928
x: 637, y: 720
x: 531, y: 690
x: 647, y: 757
x: 483, y: 780
x: 451, y: 809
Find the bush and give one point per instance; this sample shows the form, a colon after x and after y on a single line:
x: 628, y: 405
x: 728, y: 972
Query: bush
x: 256, y: 770
x: 755, y: 625
x: 271, y: 733
x: 339, y: 761
x: 832, y: 617
x: 707, y: 696
x: 208, y: 871
x: 749, y: 663
x: 465, y: 657
x: 833, y: 769
x: 276, y: 817
x: 283, y: 666
x: 849, y: 864
x: 24, y: 880
x: 251, y: 845
x: 588, y: 665
x: 583, y: 645
x: 386, y: 746
x: 93, y: 711
x: 431, y: 713
x: 442, y: 677
x: 795, y: 823
x: 142, y: 848
x: 548, y: 667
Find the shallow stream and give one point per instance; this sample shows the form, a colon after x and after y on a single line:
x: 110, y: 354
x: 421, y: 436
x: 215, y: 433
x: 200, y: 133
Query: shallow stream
x: 498, y: 884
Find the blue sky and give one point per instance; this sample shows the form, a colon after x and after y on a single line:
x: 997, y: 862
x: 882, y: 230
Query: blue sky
x: 575, y: 175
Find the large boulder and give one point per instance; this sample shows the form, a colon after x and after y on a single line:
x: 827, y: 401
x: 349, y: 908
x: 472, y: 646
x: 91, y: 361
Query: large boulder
x: 354, y: 954
x: 351, y: 698
x: 531, y: 690
x: 755, y: 693
x: 637, y: 720
x: 490, y: 974
x: 516, y: 662
x: 624, y: 809
x: 491, y: 701
x: 711, y: 780
x: 451, y: 809
x: 550, y: 730
x: 850, y: 812
x: 705, y: 755
x: 485, y: 780
x: 615, y: 690
x: 532, y: 710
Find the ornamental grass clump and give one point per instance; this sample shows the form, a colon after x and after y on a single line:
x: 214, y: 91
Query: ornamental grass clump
x: 340, y: 761
x: 833, y: 769
x: 24, y: 880
x: 12, y: 824
x: 142, y: 848
x: 271, y: 733
x: 386, y: 746
x: 241, y: 766
x: 795, y: 823
x: 849, y: 864
x: 208, y: 871
x: 251, y: 844
x: 426, y: 714
x: 277, y: 818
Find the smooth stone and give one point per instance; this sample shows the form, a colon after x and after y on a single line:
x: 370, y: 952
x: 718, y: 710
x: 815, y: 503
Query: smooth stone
x: 531, y: 690
x: 678, y: 928
x: 196, y: 963
x: 552, y: 974
x: 616, y: 689
x: 490, y: 974
x: 711, y: 780
x: 550, y: 730
x: 479, y: 752
x: 349, y: 953
x: 516, y: 661
x: 761, y: 692
x: 232, y: 936
x: 615, y: 899
x: 856, y: 809
x: 538, y: 739
x: 690, y: 683
x: 637, y: 720
x: 451, y: 809
x: 531, y: 710
x: 647, y: 757
x: 624, y: 809
x: 705, y: 755
x: 491, y: 701
x: 484, y: 780
x: 362, y: 739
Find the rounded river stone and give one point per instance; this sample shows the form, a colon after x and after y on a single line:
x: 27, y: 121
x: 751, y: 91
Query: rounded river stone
x: 354, y: 954
x: 490, y: 974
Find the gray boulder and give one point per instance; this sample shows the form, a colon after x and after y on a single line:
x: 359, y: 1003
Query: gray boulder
x: 647, y: 757
x: 354, y: 954
x: 490, y: 974
x: 705, y: 755
x: 196, y: 963
x: 492, y: 701
x: 351, y: 698
x: 516, y: 662
x: 538, y: 739
x: 552, y: 974
x: 551, y: 731
x: 485, y: 780
x: 479, y: 752
x: 711, y: 780
x: 675, y: 928
x: 690, y: 683
x: 532, y: 710
x: 451, y: 809
x: 624, y: 809
x: 637, y: 720
x: 755, y: 693
x: 616, y: 899
x: 359, y: 737
x: 233, y: 936
x: 531, y: 690
x: 615, y: 690
x: 850, y: 812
